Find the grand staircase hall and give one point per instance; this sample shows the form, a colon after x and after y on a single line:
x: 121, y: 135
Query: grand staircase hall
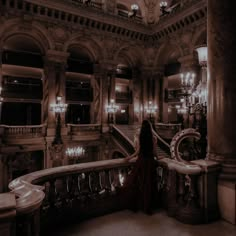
x: 104, y: 99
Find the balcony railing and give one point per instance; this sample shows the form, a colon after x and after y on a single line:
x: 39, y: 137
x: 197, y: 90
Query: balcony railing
x: 27, y: 131
x: 86, y: 190
x: 81, y: 131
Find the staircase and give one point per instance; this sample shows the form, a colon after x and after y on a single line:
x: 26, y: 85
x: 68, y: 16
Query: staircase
x: 130, y: 130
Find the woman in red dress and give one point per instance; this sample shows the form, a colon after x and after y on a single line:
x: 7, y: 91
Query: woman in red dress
x: 140, y: 187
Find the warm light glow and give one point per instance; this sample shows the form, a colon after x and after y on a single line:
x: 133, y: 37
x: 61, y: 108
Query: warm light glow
x: 112, y: 107
x: 151, y: 109
x: 187, y: 80
x: 182, y: 110
x: 121, y: 179
x: 163, y: 4
x: 75, y: 151
x: 202, y: 55
x: 118, y: 88
x: 58, y: 107
x: 134, y: 7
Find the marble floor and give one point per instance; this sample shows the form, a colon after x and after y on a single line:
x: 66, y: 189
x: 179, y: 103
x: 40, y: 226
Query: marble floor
x: 127, y: 223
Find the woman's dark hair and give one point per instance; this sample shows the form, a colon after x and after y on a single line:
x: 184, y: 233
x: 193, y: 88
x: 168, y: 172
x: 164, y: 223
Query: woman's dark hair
x: 145, y: 139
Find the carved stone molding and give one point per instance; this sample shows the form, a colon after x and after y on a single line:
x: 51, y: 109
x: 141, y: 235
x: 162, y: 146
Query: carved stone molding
x: 56, y: 56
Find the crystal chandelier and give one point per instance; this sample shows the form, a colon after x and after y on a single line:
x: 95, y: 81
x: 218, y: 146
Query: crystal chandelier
x: 58, y: 107
x: 73, y: 152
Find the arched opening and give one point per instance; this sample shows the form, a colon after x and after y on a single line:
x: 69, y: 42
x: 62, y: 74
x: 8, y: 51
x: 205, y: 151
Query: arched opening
x: 79, y: 91
x: 22, y: 91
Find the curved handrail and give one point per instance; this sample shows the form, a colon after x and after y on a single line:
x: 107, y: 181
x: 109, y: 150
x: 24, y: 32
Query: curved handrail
x: 161, y: 139
x: 178, y: 138
x: 127, y: 140
x: 30, y: 195
x: 181, y: 167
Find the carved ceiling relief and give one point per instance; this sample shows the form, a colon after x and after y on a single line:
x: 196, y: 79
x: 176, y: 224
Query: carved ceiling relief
x: 60, y: 35
x: 151, y: 9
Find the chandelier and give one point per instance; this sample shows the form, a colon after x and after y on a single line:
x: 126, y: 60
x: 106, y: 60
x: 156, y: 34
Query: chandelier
x: 73, y: 152
x: 151, y: 109
x: 187, y: 81
x: 112, y: 107
x: 58, y: 107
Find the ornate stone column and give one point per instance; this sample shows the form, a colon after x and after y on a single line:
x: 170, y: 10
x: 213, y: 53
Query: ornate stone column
x: 137, y: 101
x: 108, y: 88
x: 160, y: 85
x: 96, y: 82
x: 222, y: 86
x: 221, y: 110
x: 53, y: 85
x: 147, y: 89
x: 1, y: 52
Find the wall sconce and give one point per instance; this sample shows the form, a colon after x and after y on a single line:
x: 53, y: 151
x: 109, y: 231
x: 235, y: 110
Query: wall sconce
x: 202, y: 55
x: 134, y: 11
x: 163, y: 5
x: 58, y: 108
x: 111, y: 108
x: 201, y: 89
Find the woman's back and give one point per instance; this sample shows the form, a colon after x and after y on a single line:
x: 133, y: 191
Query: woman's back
x: 141, y: 183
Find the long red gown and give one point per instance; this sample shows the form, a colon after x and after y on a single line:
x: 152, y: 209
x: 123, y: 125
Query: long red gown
x: 140, y: 187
